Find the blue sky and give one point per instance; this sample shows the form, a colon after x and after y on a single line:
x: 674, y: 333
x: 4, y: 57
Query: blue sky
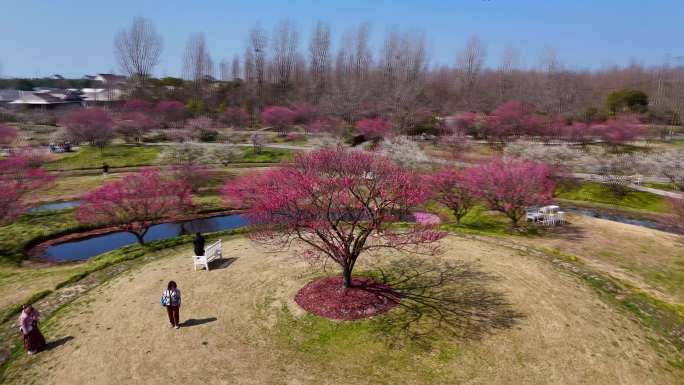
x: 75, y: 37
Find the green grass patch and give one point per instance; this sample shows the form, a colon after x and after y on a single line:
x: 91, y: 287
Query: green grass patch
x: 13, y: 310
x: 116, y: 155
x: 600, y: 193
x: 266, y: 155
x: 661, y: 186
x: 31, y: 229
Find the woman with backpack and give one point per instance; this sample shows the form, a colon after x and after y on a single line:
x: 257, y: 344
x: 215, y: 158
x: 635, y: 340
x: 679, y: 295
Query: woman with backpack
x: 171, y: 299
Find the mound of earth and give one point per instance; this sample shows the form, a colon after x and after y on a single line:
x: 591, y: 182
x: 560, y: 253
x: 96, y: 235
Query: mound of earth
x: 327, y: 297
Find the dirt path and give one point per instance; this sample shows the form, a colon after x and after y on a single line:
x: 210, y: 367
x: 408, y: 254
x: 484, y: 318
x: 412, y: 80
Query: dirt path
x: 119, y: 335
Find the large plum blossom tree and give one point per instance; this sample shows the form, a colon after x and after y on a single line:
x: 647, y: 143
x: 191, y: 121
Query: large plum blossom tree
x: 134, y: 203
x: 339, y: 204
x: 511, y: 185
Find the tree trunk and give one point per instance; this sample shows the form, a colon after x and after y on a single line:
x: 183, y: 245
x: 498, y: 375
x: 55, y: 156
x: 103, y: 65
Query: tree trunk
x: 139, y: 237
x: 346, y: 276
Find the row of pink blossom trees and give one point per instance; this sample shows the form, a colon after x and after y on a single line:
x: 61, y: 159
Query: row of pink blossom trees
x: 340, y: 204
x: 514, y: 120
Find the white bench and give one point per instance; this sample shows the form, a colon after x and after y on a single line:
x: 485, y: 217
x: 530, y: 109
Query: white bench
x: 210, y: 253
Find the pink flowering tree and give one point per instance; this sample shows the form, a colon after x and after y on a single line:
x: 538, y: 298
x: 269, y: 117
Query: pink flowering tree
x: 511, y: 185
x: 454, y: 189
x: 135, y: 125
x: 511, y: 119
x: 7, y: 134
x: 137, y: 105
x: 171, y: 112
x: 93, y: 125
x: 328, y: 125
x: 134, y: 203
x: 619, y: 130
x: 338, y: 204
x: 304, y: 113
x: 195, y: 175
x: 235, y: 117
x: 374, y: 129
x: 281, y: 118
x: 18, y: 178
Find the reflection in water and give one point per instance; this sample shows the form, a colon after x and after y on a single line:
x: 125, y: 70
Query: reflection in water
x: 90, y: 247
x: 618, y: 218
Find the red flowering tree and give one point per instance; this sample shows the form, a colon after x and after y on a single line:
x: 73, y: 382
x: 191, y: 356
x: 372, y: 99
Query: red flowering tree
x: 135, y: 125
x: 7, y: 134
x: 235, y: 117
x: 325, y: 125
x: 619, y: 130
x: 137, y: 105
x: 171, y: 112
x: 18, y: 178
x: 339, y: 204
x: 511, y: 119
x: 281, y: 118
x: 134, y: 203
x: 304, y: 113
x: 512, y: 185
x: 454, y: 189
x: 374, y: 129
x: 92, y: 125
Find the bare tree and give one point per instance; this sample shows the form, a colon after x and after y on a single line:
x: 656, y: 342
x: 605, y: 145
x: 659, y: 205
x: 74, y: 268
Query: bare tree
x: 319, y: 57
x: 197, y: 64
x: 285, y: 41
x: 235, y: 68
x: 224, y: 70
x: 505, y: 73
x: 258, y: 44
x: 469, y: 65
x: 137, y: 50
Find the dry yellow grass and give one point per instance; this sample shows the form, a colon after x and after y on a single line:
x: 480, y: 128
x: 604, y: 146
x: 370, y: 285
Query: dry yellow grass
x: 566, y: 334
x: 650, y: 260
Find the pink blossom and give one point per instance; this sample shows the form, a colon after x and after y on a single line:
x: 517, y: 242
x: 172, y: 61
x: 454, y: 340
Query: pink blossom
x: 511, y: 185
x: 339, y: 204
x: 135, y: 202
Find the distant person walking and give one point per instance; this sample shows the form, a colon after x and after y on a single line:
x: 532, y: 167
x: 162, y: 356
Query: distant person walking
x: 198, y: 242
x: 105, y: 169
x: 171, y: 299
x: 28, y: 325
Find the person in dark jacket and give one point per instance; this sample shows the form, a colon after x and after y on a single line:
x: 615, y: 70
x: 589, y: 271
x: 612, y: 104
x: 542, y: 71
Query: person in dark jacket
x: 198, y: 242
x: 105, y: 169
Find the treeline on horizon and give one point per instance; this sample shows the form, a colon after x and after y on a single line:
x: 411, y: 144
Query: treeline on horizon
x: 281, y: 67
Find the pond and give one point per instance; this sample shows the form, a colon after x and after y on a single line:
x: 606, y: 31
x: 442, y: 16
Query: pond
x: 82, y: 249
x: 54, y: 206
x: 622, y: 219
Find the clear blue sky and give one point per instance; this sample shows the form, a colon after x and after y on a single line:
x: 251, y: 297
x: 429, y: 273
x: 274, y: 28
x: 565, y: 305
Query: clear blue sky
x: 75, y: 37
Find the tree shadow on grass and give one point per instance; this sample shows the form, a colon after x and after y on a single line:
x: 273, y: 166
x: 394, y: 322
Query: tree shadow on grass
x: 441, y: 300
x: 57, y: 343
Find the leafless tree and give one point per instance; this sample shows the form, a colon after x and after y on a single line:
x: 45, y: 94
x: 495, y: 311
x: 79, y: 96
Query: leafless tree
x: 258, y: 44
x: 469, y: 64
x: 137, y: 49
x: 285, y: 42
x: 235, y: 68
x: 224, y: 70
x: 505, y: 73
x: 197, y: 64
x: 319, y: 58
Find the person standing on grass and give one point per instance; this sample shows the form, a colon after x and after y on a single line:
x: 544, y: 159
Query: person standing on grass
x: 171, y: 299
x: 28, y: 325
x: 105, y: 169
